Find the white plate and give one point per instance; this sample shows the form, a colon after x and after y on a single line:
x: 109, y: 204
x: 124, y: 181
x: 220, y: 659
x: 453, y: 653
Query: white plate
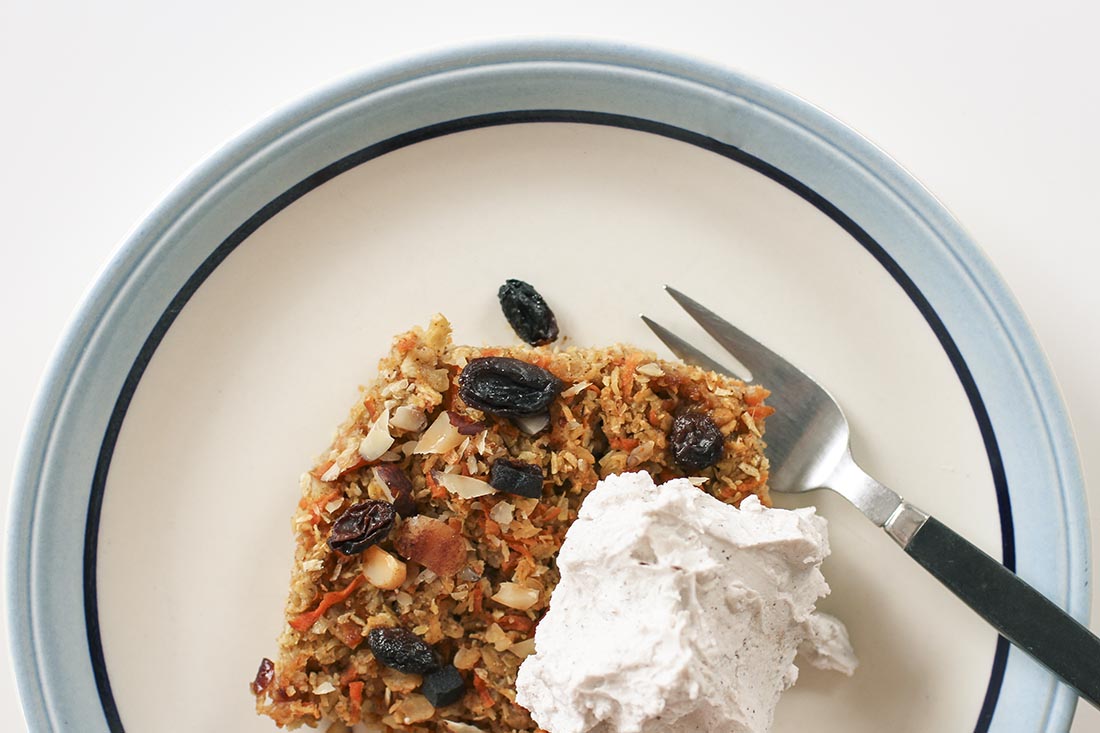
x: 227, y: 338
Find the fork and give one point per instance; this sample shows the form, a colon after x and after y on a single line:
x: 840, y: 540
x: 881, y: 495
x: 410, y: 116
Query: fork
x: 808, y: 447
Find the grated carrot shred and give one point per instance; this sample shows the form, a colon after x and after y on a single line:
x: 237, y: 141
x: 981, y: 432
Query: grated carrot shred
x: 321, y: 470
x: 626, y: 375
x: 620, y: 443
x: 355, y: 694
x: 759, y: 412
x: 303, y: 621
x: 438, y: 491
x: 521, y: 549
x: 315, y: 508
x: 654, y: 418
x: 483, y: 691
x: 756, y: 394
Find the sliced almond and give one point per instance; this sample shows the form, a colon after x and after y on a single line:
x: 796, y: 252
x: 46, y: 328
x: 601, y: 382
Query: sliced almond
x: 383, y: 570
x: 466, y: 487
x: 409, y: 419
x: 378, y: 439
x: 441, y: 437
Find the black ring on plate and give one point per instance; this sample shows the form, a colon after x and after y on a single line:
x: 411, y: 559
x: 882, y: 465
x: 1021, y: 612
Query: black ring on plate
x: 110, y: 438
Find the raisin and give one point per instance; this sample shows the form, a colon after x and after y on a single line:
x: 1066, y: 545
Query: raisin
x: 696, y: 441
x: 401, y: 488
x: 401, y: 649
x: 443, y: 687
x: 506, y: 387
x: 361, y: 526
x: 264, y: 675
x: 527, y: 312
x: 516, y: 477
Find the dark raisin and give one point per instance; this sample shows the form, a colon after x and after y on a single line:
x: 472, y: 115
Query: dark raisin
x: 516, y: 477
x: 361, y: 526
x: 401, y: 649
x: 464, y: 425
x: 696, y: 441
x: 443, y: 687
x: 264, y: 675
x: 506, y: 387
x: 401, y: 488
x: 525, y: 309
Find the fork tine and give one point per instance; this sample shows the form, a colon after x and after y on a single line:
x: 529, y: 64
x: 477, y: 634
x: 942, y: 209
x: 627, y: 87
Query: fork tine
x: 684, y: 350
x: 759, y: 359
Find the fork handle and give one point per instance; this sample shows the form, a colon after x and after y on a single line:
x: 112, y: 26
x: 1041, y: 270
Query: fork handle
x: 1019, y: 612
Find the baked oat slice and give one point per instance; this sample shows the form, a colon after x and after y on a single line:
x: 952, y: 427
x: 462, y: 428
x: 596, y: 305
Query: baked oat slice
x: 426, y: 534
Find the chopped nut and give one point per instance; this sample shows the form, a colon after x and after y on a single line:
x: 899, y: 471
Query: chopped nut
x: 414, y: 709
x: 469, y: 575
x: 324, y: 688
x: 502, y: 513
x: 382, y: 569
x: 467, y: 658
x: 495, y: 635
x: 401, y: 682
x: 433, y: 544
x: 650, y: 370
x: 397, y: 488
x: 532, y: 424
x: 465, y: 425
x: 516, y: 596
x: 523, y: 649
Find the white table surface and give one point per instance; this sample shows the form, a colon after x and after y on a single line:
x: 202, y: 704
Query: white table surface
x: 993, y: 105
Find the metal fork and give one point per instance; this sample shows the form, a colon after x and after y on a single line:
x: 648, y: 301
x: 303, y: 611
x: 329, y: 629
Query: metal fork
x: 808, y: 448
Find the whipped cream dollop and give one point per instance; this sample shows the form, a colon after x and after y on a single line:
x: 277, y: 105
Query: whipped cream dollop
x: 677, y: 612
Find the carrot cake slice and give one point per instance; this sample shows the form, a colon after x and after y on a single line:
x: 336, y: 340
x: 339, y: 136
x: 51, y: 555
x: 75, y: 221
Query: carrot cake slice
x: 427, y: 533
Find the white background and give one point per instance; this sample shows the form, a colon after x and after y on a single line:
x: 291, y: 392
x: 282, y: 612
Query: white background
x: 994, y: 106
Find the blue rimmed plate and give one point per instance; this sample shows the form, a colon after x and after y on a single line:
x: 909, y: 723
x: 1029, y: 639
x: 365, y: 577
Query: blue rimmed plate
x: 149, y: 544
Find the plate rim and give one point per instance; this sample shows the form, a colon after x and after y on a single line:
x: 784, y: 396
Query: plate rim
x: 49, y: 402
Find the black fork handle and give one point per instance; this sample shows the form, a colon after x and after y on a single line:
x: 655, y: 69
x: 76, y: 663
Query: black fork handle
x: 1019, y: 612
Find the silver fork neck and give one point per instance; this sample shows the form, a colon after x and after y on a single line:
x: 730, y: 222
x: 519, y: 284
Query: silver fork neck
x: 876, y: 501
